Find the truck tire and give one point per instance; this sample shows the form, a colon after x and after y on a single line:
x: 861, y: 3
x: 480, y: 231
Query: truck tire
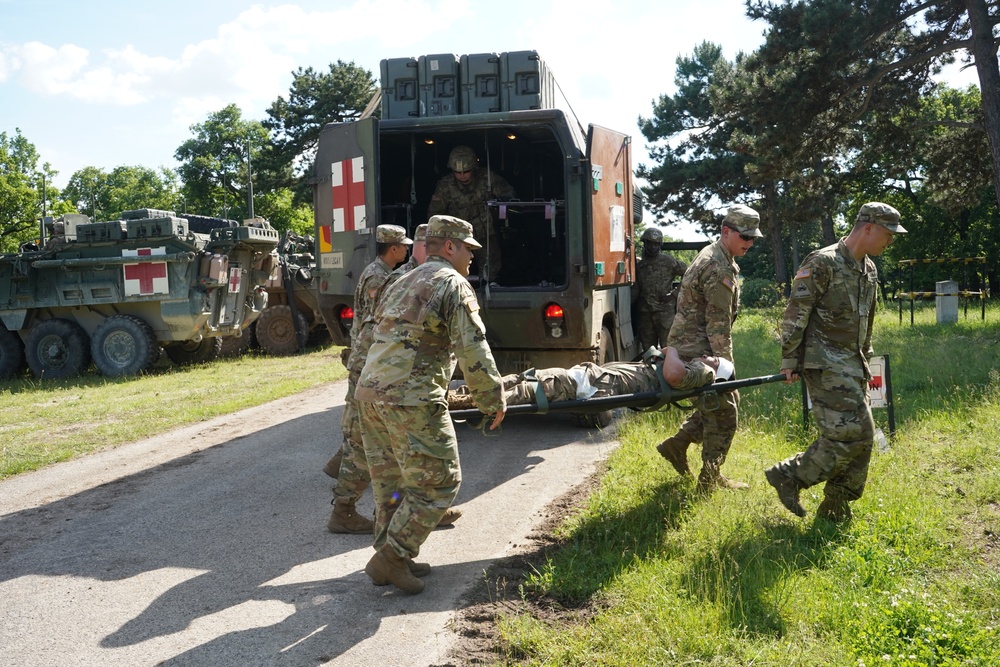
x: 233, y: 346
x: 11, y: 353
x: 603, y: 418
x: 123, y: 345
x: 276, y: 331
x: 194, y: 352
x: 57, y: 348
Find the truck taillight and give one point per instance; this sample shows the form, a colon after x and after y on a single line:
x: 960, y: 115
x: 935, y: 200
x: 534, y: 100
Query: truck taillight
x: 555, y: 319
x: 346, y: 317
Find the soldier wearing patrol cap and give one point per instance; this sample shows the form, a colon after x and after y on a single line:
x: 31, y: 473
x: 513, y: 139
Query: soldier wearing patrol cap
x: 464, y: 193
x: 426, y: 322
x: 706, y: 307
x: 826, y: 338
x: 653, y: 293
x: 348, y: 466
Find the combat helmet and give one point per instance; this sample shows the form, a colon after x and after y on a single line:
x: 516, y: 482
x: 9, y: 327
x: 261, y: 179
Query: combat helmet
x: 652, y: 235
x: 462, y: 158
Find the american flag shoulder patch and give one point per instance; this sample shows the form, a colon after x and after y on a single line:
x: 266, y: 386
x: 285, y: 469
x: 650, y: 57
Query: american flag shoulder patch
x: 803, y: 273
x: 728, y: 282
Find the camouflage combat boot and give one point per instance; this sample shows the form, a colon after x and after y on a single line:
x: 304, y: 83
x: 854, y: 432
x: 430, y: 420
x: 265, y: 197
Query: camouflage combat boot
x: 787, y: 488
x: 345, y: 519
x: 450, y: 517
x: 710, y: 479
x: 332, y: 467
x: 388, y: 567
x: 835, y: 509
x: 674, y: 450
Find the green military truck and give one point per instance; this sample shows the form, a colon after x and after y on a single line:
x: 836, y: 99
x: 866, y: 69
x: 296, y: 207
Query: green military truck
x: 563, y: 294
x: 114, y: 292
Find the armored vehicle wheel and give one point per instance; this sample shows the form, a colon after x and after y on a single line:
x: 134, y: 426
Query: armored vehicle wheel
x: 123, y: 345
x: 603, y: 418
x: 276, y: 332
x: 11, y: 353
x: 233, y: 346
x: 57, y: 348
x: 191, y: 352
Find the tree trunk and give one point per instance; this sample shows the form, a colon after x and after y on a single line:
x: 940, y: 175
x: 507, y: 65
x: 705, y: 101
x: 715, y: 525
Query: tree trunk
x: 989, y: 79
x: 774, y: 234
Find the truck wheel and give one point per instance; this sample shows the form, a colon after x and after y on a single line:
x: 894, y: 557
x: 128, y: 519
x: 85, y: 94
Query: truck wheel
x: 11, y: 354
x: 276, y: 332
x: 57, y: 348
x: 123, y: 345
x: 233, y: 346
x: 603, y: 418
x: 191, y: 352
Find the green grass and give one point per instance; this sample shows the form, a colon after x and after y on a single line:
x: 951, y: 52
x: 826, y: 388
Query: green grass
x: 651, y: 573
x: 44, y: 422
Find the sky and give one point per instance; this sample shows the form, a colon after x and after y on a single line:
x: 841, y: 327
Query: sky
x: 106, y: 83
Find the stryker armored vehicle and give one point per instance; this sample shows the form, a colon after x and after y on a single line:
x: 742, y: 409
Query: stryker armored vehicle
x: 114, y: 292
x: 291, y: 320
x: 562, y: 295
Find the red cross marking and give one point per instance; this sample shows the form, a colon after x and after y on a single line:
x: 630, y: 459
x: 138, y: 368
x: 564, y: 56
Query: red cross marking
x: 146, y: 272
x: 234, y: 280
x: 348, y: 193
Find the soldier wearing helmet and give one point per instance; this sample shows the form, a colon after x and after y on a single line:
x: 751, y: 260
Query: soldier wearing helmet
x: 653, y: 293
x: 463, y: 193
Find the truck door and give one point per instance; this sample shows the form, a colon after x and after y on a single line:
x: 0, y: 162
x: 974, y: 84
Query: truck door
x: 610, y: 157
x: 346, y: 204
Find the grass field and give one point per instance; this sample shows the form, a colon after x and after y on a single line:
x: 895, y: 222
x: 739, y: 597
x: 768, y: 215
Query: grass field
x: 55, y: 420
x: 651, y: 573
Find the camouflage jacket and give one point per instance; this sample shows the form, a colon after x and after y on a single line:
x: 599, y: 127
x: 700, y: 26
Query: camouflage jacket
x: 706, y: 305
x: 828, y: 321
x: 468, y: 202
x: 364, y: 305
x: 363, y: 328
x: 429, y: 314
x: 654, y: 281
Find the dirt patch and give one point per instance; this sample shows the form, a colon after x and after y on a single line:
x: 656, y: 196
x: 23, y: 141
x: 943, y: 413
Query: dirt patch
x: 478, y: 640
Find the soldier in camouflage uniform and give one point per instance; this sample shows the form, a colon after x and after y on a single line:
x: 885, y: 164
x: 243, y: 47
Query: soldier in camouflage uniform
x: 826, y: 338
x: 463, y: 194
x: 351, y: 471
x: 706, y: 307
x: 654, y: 291
x: 426, y: 322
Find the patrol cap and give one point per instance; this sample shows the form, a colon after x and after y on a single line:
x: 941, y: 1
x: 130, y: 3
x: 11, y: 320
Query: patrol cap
x: 462, y: 158
x: 420, y: 233
x: 652, y: 234
x: 391, y: 234
x: 881, y: 214
x: 450, y: 227
x: 743, y: 219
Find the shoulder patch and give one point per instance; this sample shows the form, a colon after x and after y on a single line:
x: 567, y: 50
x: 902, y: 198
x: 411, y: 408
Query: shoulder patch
x: 372, y: 293
x: 470, y: 302
x: 803, y: 273
x: 728, y: 282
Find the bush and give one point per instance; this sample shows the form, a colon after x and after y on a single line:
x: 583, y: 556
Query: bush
x: 760, y: 293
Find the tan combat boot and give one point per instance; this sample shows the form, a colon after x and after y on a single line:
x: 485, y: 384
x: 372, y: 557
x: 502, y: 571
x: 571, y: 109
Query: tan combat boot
x: 450, y: 517
x: 332, y: 467
x: 345, y: 519
x: 416, y: 569
x: 674, y: 450
x: 710, y: 478
x: 834, y: 509
x: 787, y: 488
x: 388, y: 567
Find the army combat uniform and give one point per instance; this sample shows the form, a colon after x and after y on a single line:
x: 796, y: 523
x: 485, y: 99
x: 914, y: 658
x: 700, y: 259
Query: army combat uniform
x: 430, y: 313
x: 468, y: 202
x: 654, y: 293
x: 826, y: 337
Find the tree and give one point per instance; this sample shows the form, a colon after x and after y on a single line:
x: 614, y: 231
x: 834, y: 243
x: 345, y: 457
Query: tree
x: 215, y: 169
x: 295, y: 123
x: 21, y: 195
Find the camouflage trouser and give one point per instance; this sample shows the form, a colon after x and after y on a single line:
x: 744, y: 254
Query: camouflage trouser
x: 611, y: 379
x: 354, y: 476
x: 654, y: 326
x: 840, y: 455
x: 413, y: 457
x: 713, y: 423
